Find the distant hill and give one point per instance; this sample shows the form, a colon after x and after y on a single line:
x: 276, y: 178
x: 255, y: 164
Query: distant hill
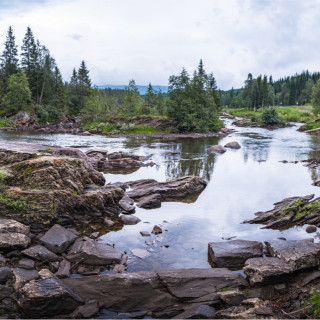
x: 142, y: 89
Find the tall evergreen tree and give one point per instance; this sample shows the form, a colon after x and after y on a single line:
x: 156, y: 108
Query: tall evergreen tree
x: 9, y: 58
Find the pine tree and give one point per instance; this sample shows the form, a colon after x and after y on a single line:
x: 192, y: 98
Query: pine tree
x: 149, y: 100
x: 9, y: 58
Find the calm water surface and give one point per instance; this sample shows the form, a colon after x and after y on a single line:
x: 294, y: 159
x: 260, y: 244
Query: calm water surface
x: 240, y: 183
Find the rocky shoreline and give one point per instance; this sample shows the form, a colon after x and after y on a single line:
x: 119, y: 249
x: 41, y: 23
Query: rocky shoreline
x: 49, y: 267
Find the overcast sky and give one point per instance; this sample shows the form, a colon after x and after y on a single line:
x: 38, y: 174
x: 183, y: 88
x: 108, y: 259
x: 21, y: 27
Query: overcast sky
x: 149, y: 40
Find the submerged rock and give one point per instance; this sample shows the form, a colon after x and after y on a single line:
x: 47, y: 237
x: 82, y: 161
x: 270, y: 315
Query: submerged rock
x: 234, y: 253
x: 183, y: 189
x: 217, y: 149
x: 233, y: 145
x: 88, y: 251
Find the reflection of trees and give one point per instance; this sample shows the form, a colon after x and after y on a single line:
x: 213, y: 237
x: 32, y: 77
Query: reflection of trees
x: 256, y: 147
x: 192, y: 159
x: 314, y: 153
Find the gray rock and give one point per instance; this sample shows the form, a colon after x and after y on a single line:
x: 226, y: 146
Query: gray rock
x: 41, y: 253
x: 154, y: 290
x: 232, y: 297
x: 13, y: 240
x: 90, y: 252
x: 108, y: 222
x: 311, y: 229
x: 233, y: 145
x: 22, y: 276
x: 299, y: 254
x: 47, y: 298
x: 5, y: 274
x: 234, y: 253
x: 217, y: 149
x: 58, y: 239
x: 5, y: 292
x: 197, y: 311
x: 127, y: 204
x: 129, y: 220
x: 26, y: 264
x: 118, y: 268
x: 156, y: 230
x: 13, y: 226
x: 88, y: 310
x: 2, y: 260
x: 145, y: 233
x: 150, y: 202
x: 64, y: 269
x: 267, y: 270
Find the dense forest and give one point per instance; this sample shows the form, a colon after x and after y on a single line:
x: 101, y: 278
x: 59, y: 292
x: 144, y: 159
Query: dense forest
x: 34, y: 83
x: 263, y: 91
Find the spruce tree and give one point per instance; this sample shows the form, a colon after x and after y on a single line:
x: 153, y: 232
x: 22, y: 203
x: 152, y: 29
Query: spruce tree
x: 9, y: 58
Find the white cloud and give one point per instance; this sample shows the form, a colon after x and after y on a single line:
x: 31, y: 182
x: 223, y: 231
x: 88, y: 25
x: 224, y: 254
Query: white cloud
x: 149, y: 40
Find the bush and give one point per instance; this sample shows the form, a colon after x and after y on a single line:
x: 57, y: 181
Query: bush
x: 270, y: 116
x: 47, y: 113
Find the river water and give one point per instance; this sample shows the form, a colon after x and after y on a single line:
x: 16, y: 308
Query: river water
x: 240, y: 183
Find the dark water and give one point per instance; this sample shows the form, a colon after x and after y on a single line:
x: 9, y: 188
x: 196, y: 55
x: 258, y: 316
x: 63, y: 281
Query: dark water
x: 240, y: 183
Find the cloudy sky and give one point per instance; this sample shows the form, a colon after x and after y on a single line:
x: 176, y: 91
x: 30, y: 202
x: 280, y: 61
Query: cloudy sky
x: 149, y: 40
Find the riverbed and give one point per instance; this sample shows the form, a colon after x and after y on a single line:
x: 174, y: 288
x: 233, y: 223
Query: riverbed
x: 240, y: 183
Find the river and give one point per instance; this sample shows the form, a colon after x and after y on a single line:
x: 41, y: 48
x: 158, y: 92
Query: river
x: 240, y: 183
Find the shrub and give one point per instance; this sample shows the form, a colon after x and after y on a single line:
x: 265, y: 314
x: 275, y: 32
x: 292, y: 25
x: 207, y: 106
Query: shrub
x: 270, y: 116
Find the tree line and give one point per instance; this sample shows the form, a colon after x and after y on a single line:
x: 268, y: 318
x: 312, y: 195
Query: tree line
x: 262, y: 91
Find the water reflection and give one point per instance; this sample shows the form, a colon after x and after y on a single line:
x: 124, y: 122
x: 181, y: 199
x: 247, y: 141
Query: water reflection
x: 241, y: 182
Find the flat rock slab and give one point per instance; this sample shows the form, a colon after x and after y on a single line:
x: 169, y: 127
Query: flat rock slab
x: 22, y: 276
x: 234, y: 253
x: 140, y: 253
x: 57, y: 239
x: 154, y: 290
x: 90, y: 252
x: 40, y: 253
x: 267, y: 270
x: 127, y: 204
x: 150, y: 202
x: 47, y: 298
x: 13, y: 226
x: 299, y: 254
x: 13, y: 240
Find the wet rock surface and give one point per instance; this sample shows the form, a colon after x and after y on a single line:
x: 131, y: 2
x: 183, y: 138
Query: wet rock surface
x: 218, y: 149
x: 233, y: 253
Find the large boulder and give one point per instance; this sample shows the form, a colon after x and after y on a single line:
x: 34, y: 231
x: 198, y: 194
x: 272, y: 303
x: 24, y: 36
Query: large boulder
x: 128, y: 219
x: 267, y: 270
x: 183, y: 189
x: 234, y: 253
x: 88, y: 251
x: 233, y: 145
x: 40, y: 253
x: 58, y: 239
x: 22, y: 276
x: 298, y: 254
x: 47, y: 298
x: 13, y: 240
x: 155, y: 290
x: 13, y: 226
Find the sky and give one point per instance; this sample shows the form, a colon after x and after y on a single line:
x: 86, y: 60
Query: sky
x: 149, y: 40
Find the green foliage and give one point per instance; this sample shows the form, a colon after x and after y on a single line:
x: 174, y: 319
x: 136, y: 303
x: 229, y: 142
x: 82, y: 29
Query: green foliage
x: 133, y: 102
x: 316, y: 98
x: 315, y: 300
x: 270, y: 116
x: 5, y: 122
x: 194, y: 102
x: 18, y: 94
x: 47, y: 113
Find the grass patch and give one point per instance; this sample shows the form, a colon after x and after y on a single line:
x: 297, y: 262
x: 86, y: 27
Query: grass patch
x: 311, y: 125
x: 5, y: 122
x: 120, y: 127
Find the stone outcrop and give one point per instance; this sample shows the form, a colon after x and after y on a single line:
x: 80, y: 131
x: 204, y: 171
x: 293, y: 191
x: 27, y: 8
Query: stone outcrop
x: 217, y: 149
x: 289, y: 212
x: 149, y: 191
x: 234, y: 253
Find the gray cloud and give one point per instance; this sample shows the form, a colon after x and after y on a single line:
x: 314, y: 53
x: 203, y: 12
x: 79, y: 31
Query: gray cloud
x: 76, y: 36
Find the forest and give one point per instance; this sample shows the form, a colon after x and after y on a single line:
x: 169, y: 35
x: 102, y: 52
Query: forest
x: 32, y: 81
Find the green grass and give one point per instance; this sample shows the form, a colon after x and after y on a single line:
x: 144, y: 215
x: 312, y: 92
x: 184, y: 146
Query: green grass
x: 120, y: 127
x: 287, y: 114
x: 5, y: 122
x: 311, y: 125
